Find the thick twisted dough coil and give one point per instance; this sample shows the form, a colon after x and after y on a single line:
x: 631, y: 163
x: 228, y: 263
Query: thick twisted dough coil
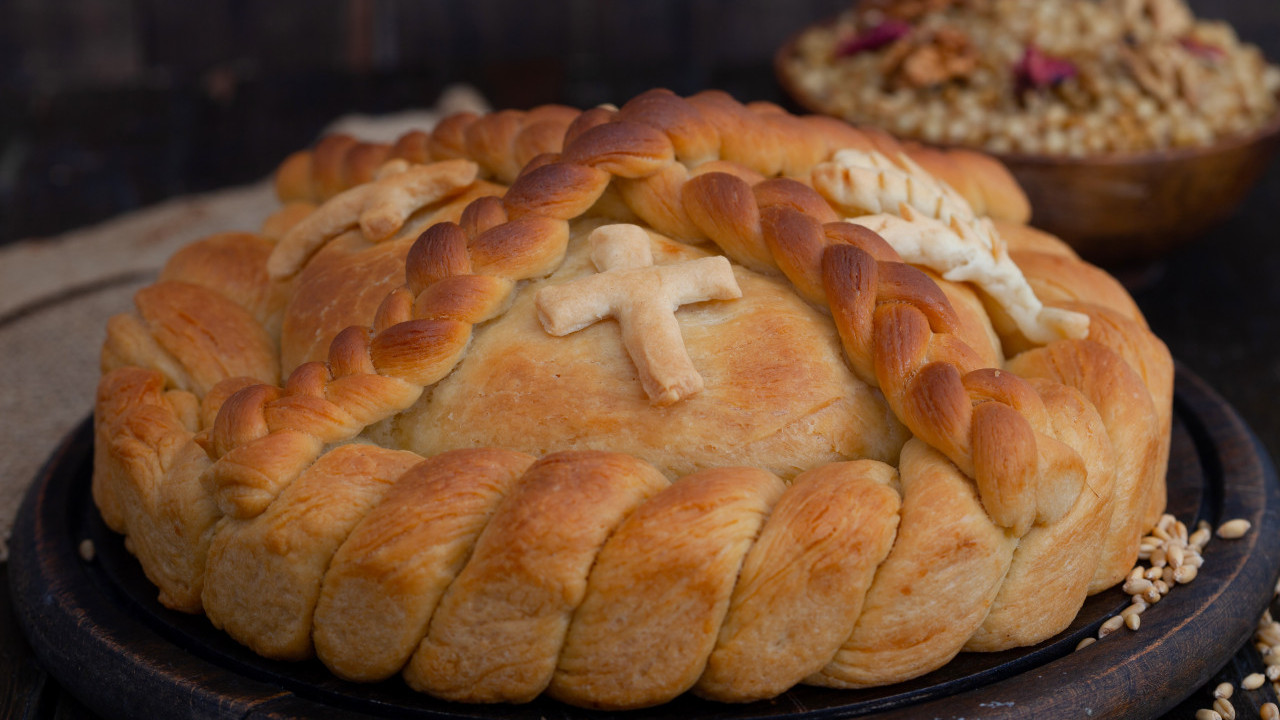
x: 286, y: 514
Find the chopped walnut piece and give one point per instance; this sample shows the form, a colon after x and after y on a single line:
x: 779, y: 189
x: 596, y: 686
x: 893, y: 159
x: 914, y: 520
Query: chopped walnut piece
x: 1162, y: 19
x: 932, y: 59
x: 1170, y: 18
x: 894, y: 56
x: 1155, y: 70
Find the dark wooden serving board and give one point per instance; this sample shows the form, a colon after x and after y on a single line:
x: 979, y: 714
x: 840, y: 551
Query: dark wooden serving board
x: 98, y: 629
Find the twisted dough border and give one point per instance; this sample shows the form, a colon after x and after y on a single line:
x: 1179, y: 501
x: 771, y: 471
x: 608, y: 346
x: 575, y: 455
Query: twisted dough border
x: 696, y: 169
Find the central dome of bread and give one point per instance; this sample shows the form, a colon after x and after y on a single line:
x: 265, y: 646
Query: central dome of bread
x: 777, y: 392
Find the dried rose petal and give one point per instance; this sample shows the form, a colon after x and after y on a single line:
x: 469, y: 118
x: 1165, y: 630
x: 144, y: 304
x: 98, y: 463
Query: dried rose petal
x: 874, y: 38
x: 1202, y: 50
x: 1038, y: 69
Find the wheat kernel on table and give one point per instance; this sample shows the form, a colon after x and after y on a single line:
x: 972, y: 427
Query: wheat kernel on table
x: 1269, y: 632
x: 1234, y: 529
x: 1252, y: 681
x: 1111, y: 625
x: 1185, y: 574
x: 1137, y: 608
x: 1137, y: 586
x: 1224, y: 690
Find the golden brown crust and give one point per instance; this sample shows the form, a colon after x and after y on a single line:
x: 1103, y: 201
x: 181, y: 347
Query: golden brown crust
x: 1134, y: 428
x: 642, y: 297
x: 193, y: 335
x: 1058, y: 279
x: 777, y: 395
x: 935, y: 587
x: 991, y: 485
x: 383, y: 584
x: 119, y: 391
x: 499, y: 629
x: 348, y: 268
x: 282, y: 220
x: 233, y: 265
x: 345, y: 282
x: 293, y: 178
x: 146, y: 478
x: 983, y: 181
x: 264, y: 573
x: 1020, y: 237
x: 1053, y: 565
x: 328, y: 166
x: 803, y: 581
x: 659, y: 591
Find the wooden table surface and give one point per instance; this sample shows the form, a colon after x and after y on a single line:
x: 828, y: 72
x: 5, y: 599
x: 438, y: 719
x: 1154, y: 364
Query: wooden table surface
x: 1215, y: 302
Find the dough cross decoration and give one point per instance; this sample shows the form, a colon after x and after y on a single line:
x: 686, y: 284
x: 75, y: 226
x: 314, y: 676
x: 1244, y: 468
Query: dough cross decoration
x: 643, y: 298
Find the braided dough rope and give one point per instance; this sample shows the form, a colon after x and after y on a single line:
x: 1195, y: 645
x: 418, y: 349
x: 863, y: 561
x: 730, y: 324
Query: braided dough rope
x: 836, y: 523
x: 379, y: 208
x: 912, y: 350
x: 328, y: 402
x: 146, y: 476
x: 649, y: 590
x: 398, y: 562
x: 501, y: 143
x: 530, y: 228
x: 1025, y: 514
x: 145, y: 457
x: 289, y: 547
x: 202, y: 284
x: 203, y: 332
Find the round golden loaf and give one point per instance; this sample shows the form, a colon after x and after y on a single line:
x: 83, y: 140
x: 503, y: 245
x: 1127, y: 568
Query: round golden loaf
x: 618, y: 404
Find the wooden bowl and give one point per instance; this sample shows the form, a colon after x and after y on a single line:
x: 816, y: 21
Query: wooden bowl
x: 1122, y: 209
x: 1126, y: 209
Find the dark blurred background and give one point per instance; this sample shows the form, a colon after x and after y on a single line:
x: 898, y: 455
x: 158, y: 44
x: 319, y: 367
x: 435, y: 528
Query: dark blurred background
x: 110, y: 105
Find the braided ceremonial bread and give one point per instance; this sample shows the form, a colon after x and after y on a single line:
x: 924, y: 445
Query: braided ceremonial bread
x: 891, y: 423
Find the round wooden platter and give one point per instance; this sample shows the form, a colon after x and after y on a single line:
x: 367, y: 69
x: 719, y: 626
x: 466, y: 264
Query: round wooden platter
x: 96, y: 626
